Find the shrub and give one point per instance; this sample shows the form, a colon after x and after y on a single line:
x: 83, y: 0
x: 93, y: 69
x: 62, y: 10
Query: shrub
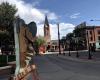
x: 3, y: 60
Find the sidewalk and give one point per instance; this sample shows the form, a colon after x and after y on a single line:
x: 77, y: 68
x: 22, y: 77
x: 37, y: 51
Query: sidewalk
x: 83, y: 56
x: 5, y: 72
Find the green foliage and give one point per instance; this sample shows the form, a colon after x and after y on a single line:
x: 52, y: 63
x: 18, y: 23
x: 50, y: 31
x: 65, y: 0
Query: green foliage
x: 3, y: 60
x: 69, y: 36
x: 39, y: 41
x: 79, y: 31
x: 7, y: 13
x: 11, y: 58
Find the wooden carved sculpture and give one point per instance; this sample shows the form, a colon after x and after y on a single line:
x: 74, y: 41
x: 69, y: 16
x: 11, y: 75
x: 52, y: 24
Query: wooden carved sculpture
x: 26, y: 35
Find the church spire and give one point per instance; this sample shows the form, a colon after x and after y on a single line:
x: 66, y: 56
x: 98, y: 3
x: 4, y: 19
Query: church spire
x: 46, y: 21
x: 47, y: 30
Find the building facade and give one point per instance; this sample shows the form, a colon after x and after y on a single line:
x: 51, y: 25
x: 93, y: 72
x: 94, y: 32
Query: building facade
x: 93, y: 35
x: 90, y: 35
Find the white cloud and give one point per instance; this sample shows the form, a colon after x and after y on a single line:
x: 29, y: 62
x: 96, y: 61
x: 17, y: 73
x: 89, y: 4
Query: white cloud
x: 29, y: 13
x: 63, y: 27
x: 40, y: 29
x: 74, y: 16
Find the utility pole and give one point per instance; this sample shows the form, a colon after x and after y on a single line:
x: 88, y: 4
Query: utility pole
x: 59, y: 39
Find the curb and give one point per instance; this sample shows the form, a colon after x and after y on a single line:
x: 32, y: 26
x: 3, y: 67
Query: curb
x: 6, y: 70
x: 78, y: 59
x: 5, y: 67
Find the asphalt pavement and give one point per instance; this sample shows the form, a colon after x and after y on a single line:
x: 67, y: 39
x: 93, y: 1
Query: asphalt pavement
x: 53, y: 67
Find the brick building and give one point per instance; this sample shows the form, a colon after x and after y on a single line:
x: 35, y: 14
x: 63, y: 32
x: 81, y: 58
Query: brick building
x: 90, y: 34
x: 93, y: 35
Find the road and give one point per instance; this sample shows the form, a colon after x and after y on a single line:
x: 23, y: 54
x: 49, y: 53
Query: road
x: 53, y: 67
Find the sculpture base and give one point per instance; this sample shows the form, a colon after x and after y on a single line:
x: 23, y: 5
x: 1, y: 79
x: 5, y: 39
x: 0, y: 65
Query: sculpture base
x: 24, y: 72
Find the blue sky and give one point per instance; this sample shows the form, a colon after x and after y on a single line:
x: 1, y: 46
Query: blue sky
x: 68, y: 13
x: 85, y: 10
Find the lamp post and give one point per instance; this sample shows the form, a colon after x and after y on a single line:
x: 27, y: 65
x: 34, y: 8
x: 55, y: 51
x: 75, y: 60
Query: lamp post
x: 89, y: 55
x: 69, y: 48
x: 77, y: 55
x: 59, y: 38
x: 63, y: 47
x: 94, y: 20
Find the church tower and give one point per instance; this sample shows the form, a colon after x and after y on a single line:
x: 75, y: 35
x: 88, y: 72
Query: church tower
x: 47, y: 35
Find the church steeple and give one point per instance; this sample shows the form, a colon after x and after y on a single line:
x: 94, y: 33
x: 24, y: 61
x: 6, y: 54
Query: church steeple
x: 47, y: 30
x: 46, y: 21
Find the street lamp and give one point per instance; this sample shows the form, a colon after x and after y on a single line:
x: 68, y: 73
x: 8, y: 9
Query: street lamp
x: 69, y: 48
x: 59, y: 39
x: 77, y: 54
x: 89, y: 55
x: 94, y: 20
x: 63, y: 46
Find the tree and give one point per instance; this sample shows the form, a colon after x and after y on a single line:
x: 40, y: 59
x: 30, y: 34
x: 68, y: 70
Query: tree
x: 38, y: 42
x: 80, y: 33
x: 7, y: 13
x: 69, y: 41
x: 69, y: 36
x: 63, y: 41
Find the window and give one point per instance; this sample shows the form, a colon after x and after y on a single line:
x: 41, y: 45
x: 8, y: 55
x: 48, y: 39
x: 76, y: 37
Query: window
x: 91, y: 38
x: 98, y: 31
x: 98, y: 37
x: 91, y: 32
